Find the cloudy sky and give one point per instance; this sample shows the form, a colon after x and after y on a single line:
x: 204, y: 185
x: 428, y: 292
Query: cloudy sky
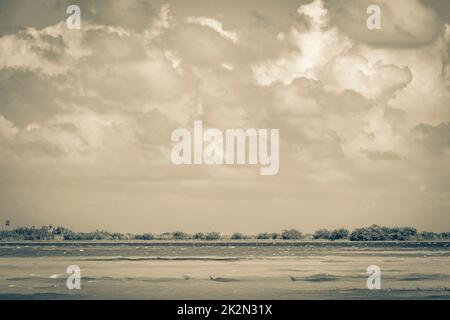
x: 86, y: 115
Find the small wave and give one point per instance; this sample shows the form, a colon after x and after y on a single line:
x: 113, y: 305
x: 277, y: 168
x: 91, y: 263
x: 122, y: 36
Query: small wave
x: 289, y: 269
x: 165, y: 259
x: 35, y: 296
x: 35, y: 278
x: 143, y: 279
x: 20, y: 278
x: 422, y: 277
x: 46, y: 287
x: 158, y: 279
x: 334, y: 261
x: 221, y: 279
x: 321, y: 277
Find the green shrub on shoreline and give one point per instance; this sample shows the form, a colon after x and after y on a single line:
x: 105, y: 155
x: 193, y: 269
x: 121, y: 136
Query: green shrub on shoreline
x: 337, y: 234
x: 371, y: 233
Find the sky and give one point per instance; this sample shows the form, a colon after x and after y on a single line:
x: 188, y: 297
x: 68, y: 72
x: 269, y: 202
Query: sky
x: 86, y: 115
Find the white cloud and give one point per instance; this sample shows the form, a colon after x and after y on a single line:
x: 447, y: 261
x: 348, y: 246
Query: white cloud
x: 52, y: 50
x: 447, y: 32
x: 174, y: 60
x: 326, y: 54
x: 161, y: 24
x: 216, y: 26
x: 227, y: 66
x: 353, y: 72
x: 315, y: 12
x: 316, y: 46
x: 81, y: 136
x: 7, y: 129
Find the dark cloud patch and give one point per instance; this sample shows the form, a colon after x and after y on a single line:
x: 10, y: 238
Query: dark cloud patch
x: 436, y: 139
x: 153, y: 128
x: 112, y: 48
x: 50, y: 47
x: 131, y: 14
x: 404, y: 23
x: 38, y: 99
x: 200, y: 45
x: 301, y: 91
x: 378, y: 155
x: 16, y: 15
x: 395, y: 117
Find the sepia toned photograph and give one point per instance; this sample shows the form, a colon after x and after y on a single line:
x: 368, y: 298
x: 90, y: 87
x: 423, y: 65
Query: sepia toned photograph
x: 225, y: 150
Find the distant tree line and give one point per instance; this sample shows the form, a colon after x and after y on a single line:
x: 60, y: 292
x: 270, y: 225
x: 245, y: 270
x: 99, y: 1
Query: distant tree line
x: 336, y: 234
x: 372, y: 233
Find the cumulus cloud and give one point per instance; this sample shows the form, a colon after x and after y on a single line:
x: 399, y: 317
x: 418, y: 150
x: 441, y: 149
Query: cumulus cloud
x: 316, y: 45
x: 354, y: 72
x: 52, y: 50
x: 363, y: 116
x: 326, y: 54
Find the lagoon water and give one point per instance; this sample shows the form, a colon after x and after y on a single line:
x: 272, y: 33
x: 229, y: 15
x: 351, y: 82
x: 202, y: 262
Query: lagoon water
x: 225, y: 270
